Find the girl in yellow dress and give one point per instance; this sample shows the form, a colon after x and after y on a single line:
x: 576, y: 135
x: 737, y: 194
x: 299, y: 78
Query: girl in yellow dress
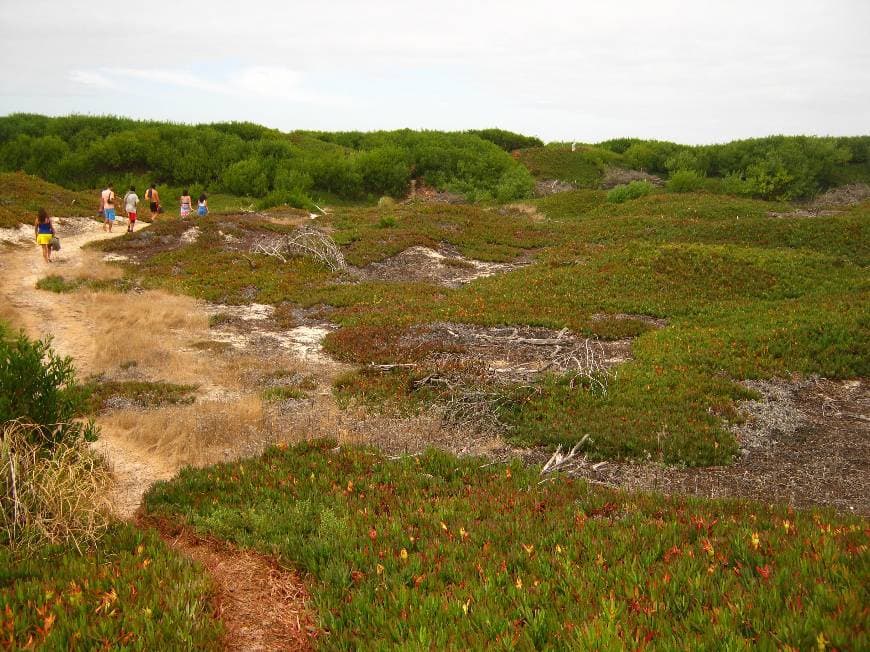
x: 44, y: 229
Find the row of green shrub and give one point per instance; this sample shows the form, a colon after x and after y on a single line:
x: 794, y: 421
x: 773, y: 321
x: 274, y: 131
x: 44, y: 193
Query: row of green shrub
x: 776, y: 167
x: 249, y: 160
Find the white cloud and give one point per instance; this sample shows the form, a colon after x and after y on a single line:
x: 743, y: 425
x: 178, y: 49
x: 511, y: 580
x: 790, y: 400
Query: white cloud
x: 252, y: 81
x: 268, y: 81
x: 561, y: 69
x: 178, y: 78
x: 90, y: 78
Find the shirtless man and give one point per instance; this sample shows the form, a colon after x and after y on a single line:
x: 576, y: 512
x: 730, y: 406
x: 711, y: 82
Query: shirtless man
x: 154, y: 200
x: 107, y: 201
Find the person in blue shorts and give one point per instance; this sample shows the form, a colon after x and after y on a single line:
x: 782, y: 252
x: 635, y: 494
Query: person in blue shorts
x: 202, y: 205
x: 108, y: 204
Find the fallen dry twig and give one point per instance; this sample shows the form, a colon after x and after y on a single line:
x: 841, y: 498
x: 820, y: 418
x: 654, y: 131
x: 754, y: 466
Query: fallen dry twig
x: 306, y: 241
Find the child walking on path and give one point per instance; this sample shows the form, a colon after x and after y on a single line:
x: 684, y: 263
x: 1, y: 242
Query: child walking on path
x: 131, y: 202
x: 202, y: 205
x: 44, y: 231
x: 186, y: 202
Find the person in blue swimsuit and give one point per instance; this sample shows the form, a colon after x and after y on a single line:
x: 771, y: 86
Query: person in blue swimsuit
x: 202, y: 205
x: 44, y: 230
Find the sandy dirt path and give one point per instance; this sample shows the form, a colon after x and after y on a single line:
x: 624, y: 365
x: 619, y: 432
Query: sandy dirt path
x: 263, y: 606
x: 43, y: 314
x: 64, y: 318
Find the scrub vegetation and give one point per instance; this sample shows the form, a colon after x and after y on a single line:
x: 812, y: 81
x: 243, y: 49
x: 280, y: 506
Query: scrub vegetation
x: 71, y: 577
x: 776, y: 167
x: 745, y: 296
x: 447, y: 553
x: 245, y: 159
x: 694, y: 280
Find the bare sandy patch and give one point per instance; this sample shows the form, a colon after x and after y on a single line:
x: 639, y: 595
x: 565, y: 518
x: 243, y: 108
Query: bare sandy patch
x: 805, y: 443
x: 190, y: 236
x: 444, y: 266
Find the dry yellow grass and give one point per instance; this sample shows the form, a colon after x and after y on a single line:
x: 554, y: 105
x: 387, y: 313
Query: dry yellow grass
x: 149, y: 328
x: 526, y: 209
x: 90, y: 267
x: 52, y: 494
x: 321, y: 418
x: 198, y: 434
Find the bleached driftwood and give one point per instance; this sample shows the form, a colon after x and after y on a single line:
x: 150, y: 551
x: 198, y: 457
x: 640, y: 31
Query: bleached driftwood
x: 306, y: 241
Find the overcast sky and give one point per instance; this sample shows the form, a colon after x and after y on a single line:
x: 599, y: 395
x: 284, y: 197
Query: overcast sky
x: 690, y: 71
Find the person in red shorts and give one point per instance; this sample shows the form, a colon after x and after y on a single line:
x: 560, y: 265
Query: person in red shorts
x: 131, y: 202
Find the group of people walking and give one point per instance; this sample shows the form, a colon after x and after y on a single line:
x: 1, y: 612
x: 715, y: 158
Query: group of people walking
x: 46, y: 237
x: 131, y: 204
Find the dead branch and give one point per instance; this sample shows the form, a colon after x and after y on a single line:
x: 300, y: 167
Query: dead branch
x: 558, y: 460
x: 432, y: 379
x: 269, y: 248
x: 475, y: 409
x: 312, y: 242
x: 390, y: 367
x: 306, y: 241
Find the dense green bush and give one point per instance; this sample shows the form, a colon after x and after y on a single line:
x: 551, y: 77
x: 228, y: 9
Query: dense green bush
x: 246, y: 159
x: 685, y: 181
x: 82, y: 152
x: 247, y: 177
x: 516, y: 183
x: 628, y: 191
x: 507, y: 140
x: 650, y: 156
x: 776, y: 167
x: 579, y: 164
x: 39, y: 387
x: 288, y: 197
x: 384, y: 171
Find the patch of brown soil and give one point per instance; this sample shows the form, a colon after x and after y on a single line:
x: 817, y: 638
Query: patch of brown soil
x: 803, y: 212
x: 804, y: 443
x: 547, y: 187
x: 849, y: 195
x: 262, y: 605
x: 617, y: 177
x: 146, y: 243
x: 318, y: 417
x: 422, y: 192
x: 445, y: 266
x: 827, y: 203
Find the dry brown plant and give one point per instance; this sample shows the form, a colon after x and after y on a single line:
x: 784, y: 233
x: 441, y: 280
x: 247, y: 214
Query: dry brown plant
x: 56, y: 495
x: 198, y: 434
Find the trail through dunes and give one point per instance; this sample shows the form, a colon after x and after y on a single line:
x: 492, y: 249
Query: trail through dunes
x: 147, y: 336
x: 91, y: 328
